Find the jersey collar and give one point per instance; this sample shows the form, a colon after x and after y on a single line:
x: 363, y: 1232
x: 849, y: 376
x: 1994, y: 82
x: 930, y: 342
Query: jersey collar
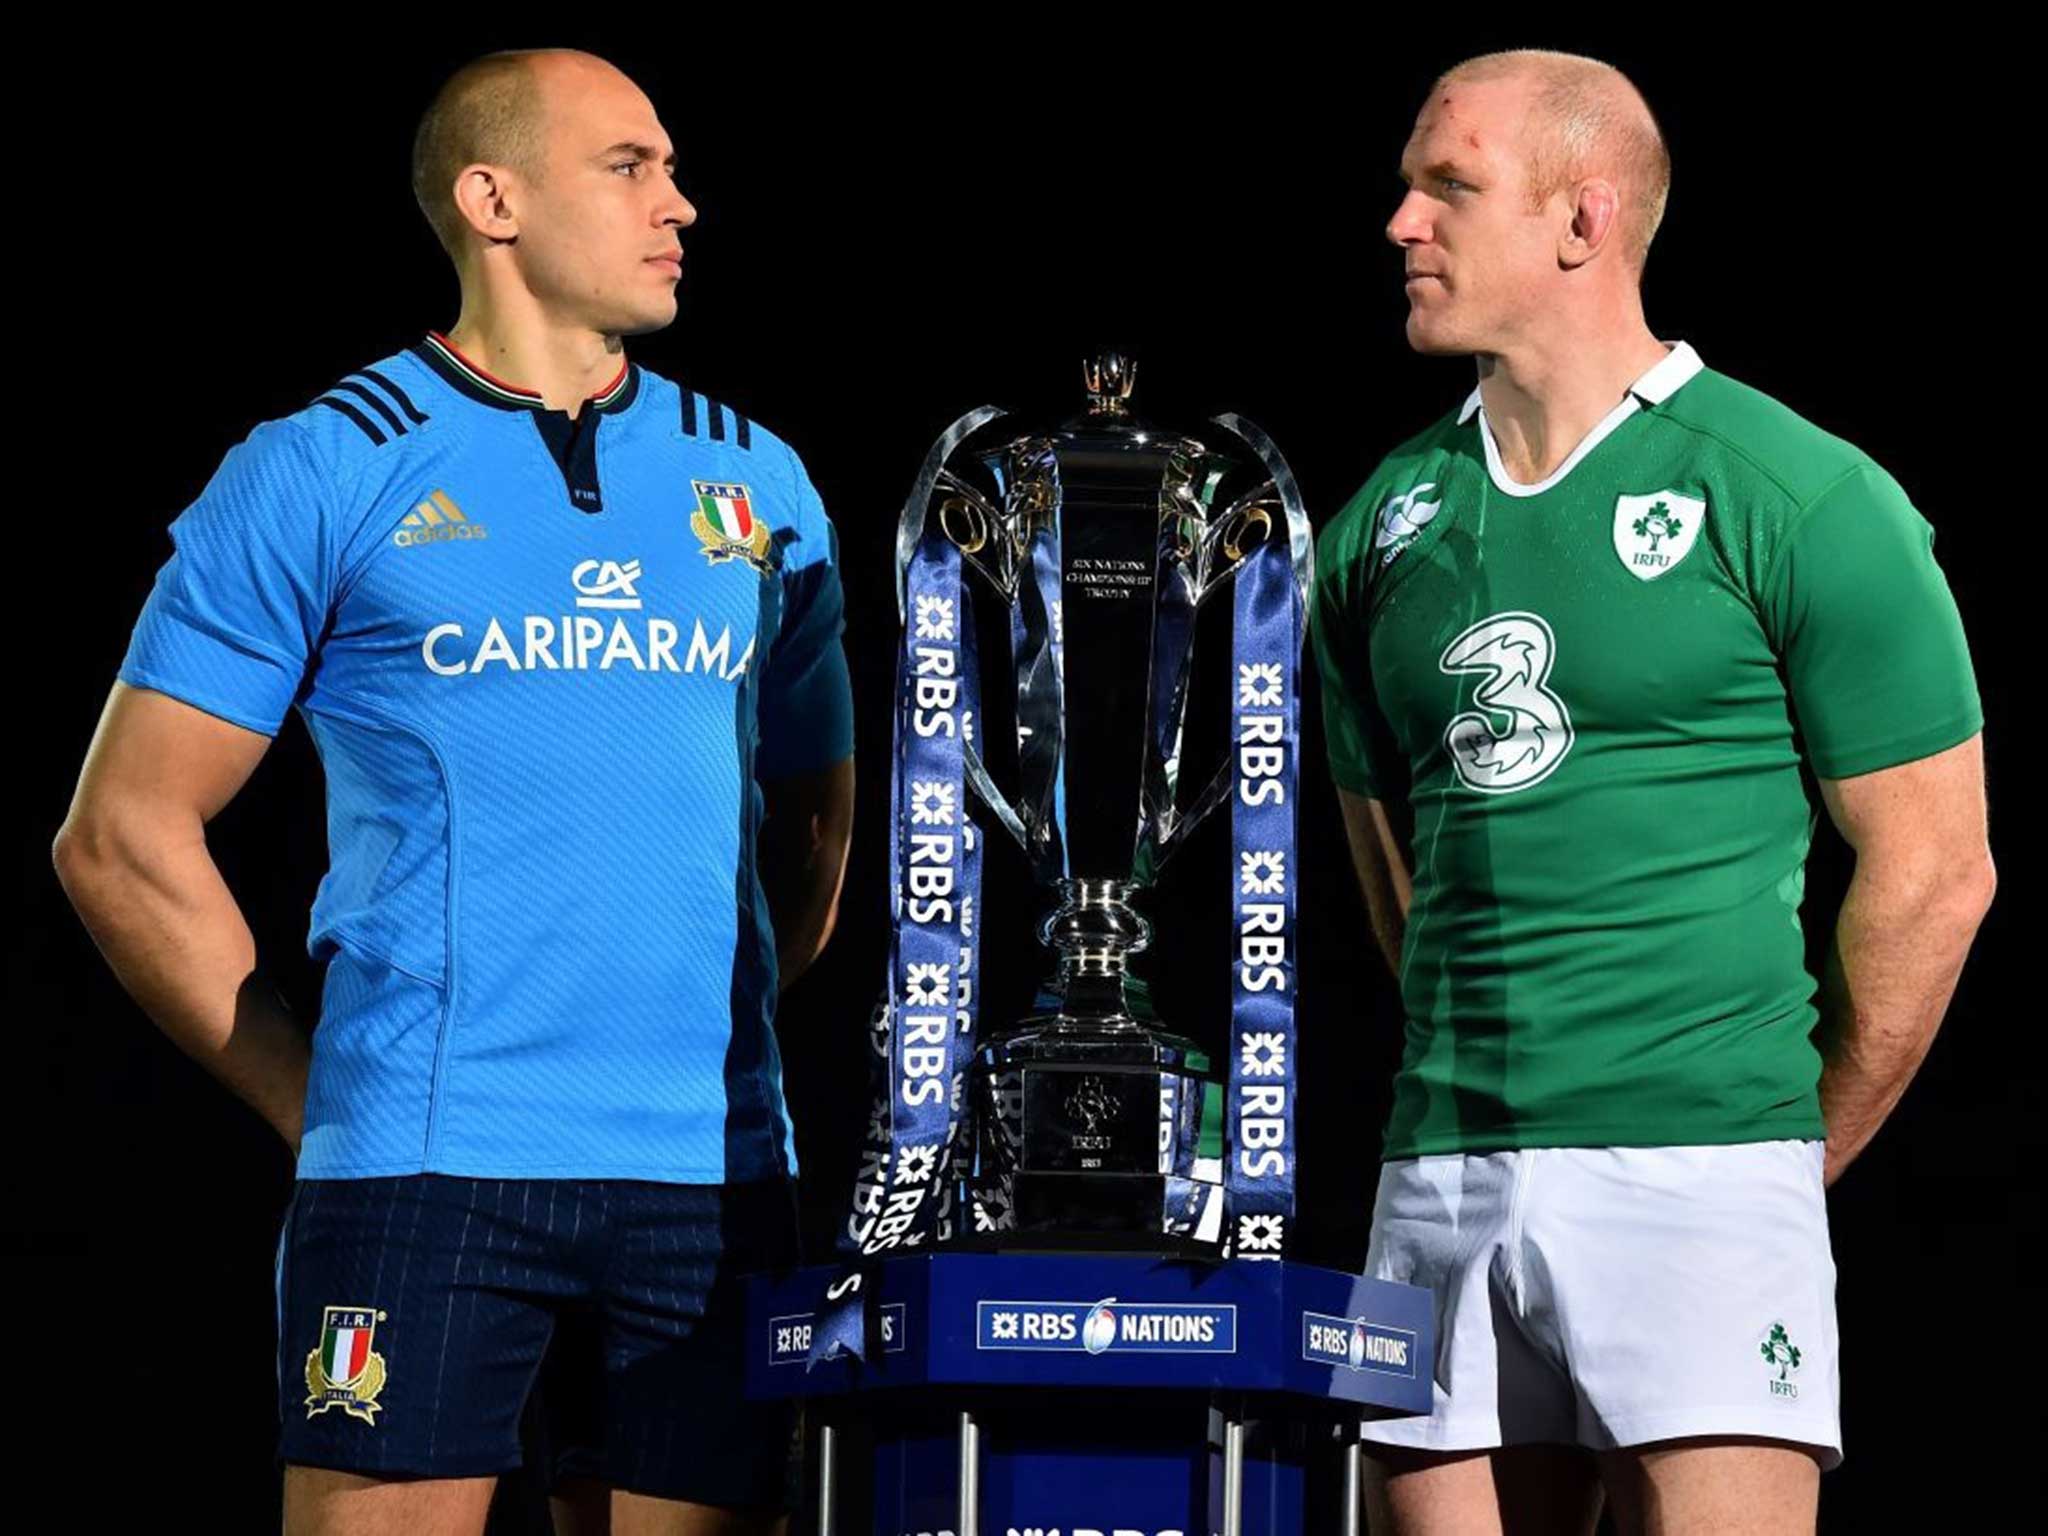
x: 1654, y: 387
x: 439, y: 354
x: 1663, y: 380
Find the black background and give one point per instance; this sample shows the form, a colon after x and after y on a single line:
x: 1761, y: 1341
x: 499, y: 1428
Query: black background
x: 895, y: 227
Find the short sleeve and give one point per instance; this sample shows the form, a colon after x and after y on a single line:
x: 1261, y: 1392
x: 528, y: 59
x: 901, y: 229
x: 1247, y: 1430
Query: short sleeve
x: 806, y: 706
x: 237, y: 611
x: 1868, y: 632
x: 1364, y: 756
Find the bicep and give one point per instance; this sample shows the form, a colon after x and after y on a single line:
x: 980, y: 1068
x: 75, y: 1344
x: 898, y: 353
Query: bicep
x: 159, y: 759
x: 1932, y: 807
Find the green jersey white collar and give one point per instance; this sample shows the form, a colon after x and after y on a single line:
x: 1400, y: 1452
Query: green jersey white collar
x: 1656, y: 386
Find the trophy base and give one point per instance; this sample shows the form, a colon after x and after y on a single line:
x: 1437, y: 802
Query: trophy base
x: 1145, y: 1245
x: 1092, y: 1139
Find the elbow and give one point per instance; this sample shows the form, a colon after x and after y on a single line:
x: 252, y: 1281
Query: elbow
x: 78, y: 854
x: 1979, y: 886
x: 103, y: 850
x: 1958, y: 897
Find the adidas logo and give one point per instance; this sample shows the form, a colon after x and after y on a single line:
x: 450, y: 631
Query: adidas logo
x: 435, y: 521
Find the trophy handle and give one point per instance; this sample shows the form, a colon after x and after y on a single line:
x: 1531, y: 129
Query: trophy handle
x: 910, y: 525
x: 1301, y: 542
x: 1301, y: 555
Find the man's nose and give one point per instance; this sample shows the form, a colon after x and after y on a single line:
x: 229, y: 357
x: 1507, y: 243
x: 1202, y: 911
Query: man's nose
x: 1410, y: 223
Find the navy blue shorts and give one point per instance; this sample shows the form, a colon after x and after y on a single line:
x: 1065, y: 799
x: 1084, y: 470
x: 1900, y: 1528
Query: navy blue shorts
x: 416, y: 1316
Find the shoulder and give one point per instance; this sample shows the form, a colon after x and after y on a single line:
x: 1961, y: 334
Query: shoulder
x: 308, y: 457
x: 365, y: 418
x: 709, y: 421
x: 1405, y: 469
x: 1765, y: 439
x: 727, y: 447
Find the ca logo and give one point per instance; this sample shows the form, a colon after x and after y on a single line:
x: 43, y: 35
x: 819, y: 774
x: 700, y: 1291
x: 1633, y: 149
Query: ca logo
x: 1521, y: 730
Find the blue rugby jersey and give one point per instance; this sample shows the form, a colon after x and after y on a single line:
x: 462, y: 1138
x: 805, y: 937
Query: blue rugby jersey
x: 544, y: 662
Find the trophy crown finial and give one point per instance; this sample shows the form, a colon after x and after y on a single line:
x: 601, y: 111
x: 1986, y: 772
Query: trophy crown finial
x: 1109, y: 376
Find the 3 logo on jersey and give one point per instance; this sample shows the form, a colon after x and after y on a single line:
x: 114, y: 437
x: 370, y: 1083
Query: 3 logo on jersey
x: 1512, y: 654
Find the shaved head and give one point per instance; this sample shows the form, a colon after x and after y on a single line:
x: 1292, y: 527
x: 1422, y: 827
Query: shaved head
x: 491, y: 112
x: 1585, y: 119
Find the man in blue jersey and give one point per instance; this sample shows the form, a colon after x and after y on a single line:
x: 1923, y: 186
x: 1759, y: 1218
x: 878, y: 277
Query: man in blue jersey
x: 563, y: 633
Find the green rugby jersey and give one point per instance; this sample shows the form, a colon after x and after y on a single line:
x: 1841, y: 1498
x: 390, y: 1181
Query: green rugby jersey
x: 1597, y: 693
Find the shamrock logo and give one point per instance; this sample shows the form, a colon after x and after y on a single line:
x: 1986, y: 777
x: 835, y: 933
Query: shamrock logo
x: 1779, y: 1350
x: 1660, y: 522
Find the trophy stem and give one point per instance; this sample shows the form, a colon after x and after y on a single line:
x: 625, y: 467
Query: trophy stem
x: 1095, y: 930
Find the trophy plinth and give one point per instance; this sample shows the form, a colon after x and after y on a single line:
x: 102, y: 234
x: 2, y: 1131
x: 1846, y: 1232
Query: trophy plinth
x: 1079, y: 1122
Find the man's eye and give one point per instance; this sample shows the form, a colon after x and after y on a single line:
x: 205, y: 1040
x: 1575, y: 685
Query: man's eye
x: 627, y: 165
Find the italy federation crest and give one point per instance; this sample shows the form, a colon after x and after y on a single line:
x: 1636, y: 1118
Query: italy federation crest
x: 725, y: 525
x: 1653, y: 533
x: 344, y: 1372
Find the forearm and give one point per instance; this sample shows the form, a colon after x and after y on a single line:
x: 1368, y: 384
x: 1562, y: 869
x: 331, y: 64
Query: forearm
x: 159, y: 911
x: 805, y: 902
x: 1386, y: 903
x: 804, y: 844
x: 1378, y: 834
x: 1898, y: 949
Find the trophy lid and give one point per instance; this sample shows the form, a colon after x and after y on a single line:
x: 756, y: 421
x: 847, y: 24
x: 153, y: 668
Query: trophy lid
x: 1110, y: 377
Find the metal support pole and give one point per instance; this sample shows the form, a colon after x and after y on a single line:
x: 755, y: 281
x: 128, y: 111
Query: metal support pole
x: 1233, y: 1477
x: 827, y: 1452
x: 969, y: 1522
x: 1354, y: 1486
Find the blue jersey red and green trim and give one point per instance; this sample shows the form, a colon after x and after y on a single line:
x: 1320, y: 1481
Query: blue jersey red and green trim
x: 545, y: 703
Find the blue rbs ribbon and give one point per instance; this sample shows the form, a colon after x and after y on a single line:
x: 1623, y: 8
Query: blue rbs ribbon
x: 924, y: 1030
x: 1266, y: 733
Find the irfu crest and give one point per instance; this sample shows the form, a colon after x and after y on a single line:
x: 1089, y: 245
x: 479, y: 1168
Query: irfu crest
x: 1778, y: 1350
x: 1653, y: 533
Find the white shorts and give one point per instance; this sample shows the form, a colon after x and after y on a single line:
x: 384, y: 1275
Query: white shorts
x: 1613, y: 1296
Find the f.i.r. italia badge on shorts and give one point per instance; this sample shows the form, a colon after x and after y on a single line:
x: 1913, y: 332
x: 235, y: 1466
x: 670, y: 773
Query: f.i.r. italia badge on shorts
x: 726, y: 526
x: 344, y: 1372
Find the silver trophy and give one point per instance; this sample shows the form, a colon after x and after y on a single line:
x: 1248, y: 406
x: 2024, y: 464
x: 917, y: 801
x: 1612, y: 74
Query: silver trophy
x: 1102, y: 543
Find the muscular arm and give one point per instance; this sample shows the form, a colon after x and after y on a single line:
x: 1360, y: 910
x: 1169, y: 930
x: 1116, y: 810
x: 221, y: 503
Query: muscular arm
x: 1378, y: 840
x: 132, y: 857
x: 804, y: 841
x: 1922, y: 883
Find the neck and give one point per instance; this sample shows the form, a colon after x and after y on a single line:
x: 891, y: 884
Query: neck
x: 1547, y: 389
x: 517, y: 342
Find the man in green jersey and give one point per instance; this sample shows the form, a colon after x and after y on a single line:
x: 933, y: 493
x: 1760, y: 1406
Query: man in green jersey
x: 1580, y: 640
